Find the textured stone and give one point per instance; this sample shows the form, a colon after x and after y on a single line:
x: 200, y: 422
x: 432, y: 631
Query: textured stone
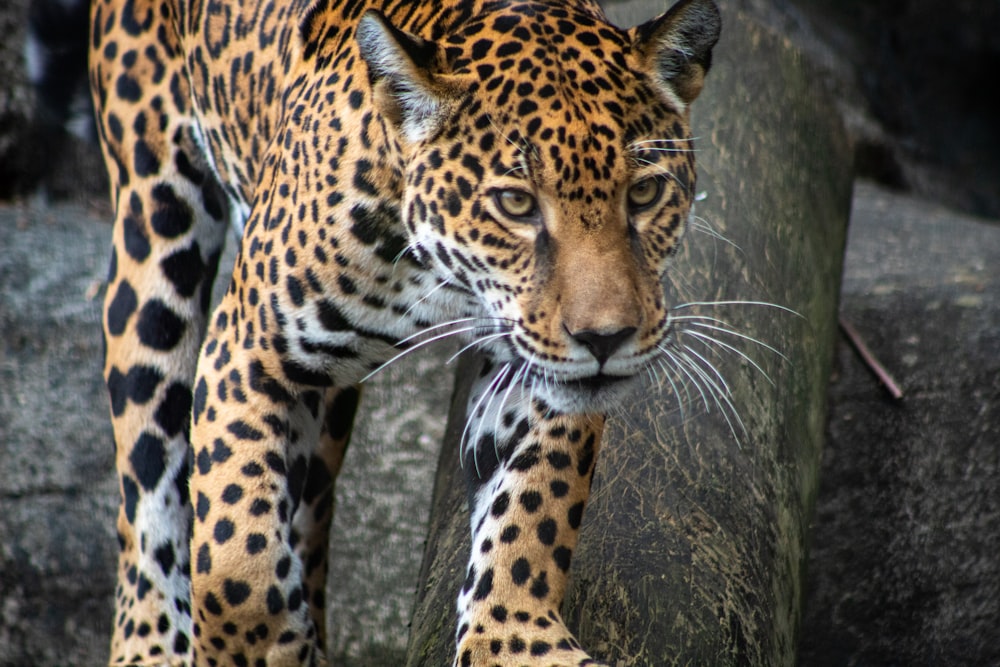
x: 58, y: 495
x: 903, y: 566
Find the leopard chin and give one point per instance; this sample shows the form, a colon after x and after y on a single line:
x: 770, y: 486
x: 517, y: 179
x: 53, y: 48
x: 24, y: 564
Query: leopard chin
x: 596, y: 393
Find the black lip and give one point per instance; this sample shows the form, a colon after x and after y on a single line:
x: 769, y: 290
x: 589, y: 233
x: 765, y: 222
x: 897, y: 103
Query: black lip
x: 590, y: 384
x: 596, y: 382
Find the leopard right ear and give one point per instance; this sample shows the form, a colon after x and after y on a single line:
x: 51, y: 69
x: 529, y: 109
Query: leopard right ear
x: 676, y: 48
x: 405, y: 73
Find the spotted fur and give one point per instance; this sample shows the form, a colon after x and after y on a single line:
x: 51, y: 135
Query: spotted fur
x: 515, y: 172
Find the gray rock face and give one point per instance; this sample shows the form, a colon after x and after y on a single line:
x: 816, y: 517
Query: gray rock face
x: 16, y: 97
x: 57, y: 493
x: 59, y: 496
x: 37, y: 152
x: 903, y: 567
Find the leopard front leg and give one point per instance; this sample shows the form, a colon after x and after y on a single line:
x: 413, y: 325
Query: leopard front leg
x: 528, y: 472
x: 171, y: 218
x: 254, y: 440
x: 312, y: 520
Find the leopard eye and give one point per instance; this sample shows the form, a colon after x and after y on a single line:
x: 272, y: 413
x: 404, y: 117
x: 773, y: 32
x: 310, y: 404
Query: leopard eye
x: 516, y: 203
x: 644, y: 193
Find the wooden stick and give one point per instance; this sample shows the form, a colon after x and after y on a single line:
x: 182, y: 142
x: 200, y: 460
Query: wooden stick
x: 869, y: 358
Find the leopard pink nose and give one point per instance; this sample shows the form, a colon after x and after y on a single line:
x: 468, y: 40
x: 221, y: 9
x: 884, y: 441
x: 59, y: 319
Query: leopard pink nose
x: 601, y: 343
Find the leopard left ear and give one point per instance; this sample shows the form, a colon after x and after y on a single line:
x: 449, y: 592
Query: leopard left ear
x: 676, y: 48
x: 404, y: 69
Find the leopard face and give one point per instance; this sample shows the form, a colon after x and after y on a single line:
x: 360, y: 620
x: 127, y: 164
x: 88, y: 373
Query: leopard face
x: 549, y: 173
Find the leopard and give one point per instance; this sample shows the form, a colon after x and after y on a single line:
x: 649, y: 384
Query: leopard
x: 513, y: 174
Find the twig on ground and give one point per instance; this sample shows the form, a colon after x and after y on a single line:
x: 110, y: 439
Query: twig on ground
x: 866, y: 356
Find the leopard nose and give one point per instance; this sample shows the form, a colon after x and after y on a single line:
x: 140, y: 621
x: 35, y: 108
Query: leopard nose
x: 602, y: 344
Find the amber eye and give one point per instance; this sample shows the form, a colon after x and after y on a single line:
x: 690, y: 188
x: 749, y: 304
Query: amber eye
x: 644, y: 193
x: 516, y: 203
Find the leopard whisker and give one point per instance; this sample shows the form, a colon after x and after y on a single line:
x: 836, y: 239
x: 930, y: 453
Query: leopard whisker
x: 706, y: 364
x: 422, y: 343
x: 656, y: 149
x: 767, y: 304
x: 683, y: 369
x: 503, y: 402
x: 663, y: 171
x: 646, y: 144
x: 441, y: 284
x: 707, y: 318
x: 492, y: 390
x: 541, y: 378
x: 700, y: 370
x: 665, y: 140
x: 653, y: 380
x: 471, y: 416
x: 719, y: 395
x: 744, y: 336
x: 690, y: 320
x: 479, y: 341
x: 670, y: 366
x: 701, y: 225
x: 412, y: 246
x: 710, y: 341
x: 673, y: 385
x: 531, y: 363
x: 433, y: 327
x: 727, y: 399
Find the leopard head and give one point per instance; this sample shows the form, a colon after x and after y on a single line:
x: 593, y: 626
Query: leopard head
x: 549, y: 171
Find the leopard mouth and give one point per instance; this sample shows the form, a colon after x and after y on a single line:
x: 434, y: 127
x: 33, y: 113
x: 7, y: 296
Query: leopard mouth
x: 596, y: 383
x: 599, y: 392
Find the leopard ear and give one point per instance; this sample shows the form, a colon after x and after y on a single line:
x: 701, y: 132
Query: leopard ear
x: 676, y: 48
x: 403, y: 70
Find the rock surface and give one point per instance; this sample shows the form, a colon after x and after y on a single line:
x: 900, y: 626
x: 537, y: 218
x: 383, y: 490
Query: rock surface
x: 903, y: 567
x: 41, y: 107
x: 16, y: 98
x: 58, y: 494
